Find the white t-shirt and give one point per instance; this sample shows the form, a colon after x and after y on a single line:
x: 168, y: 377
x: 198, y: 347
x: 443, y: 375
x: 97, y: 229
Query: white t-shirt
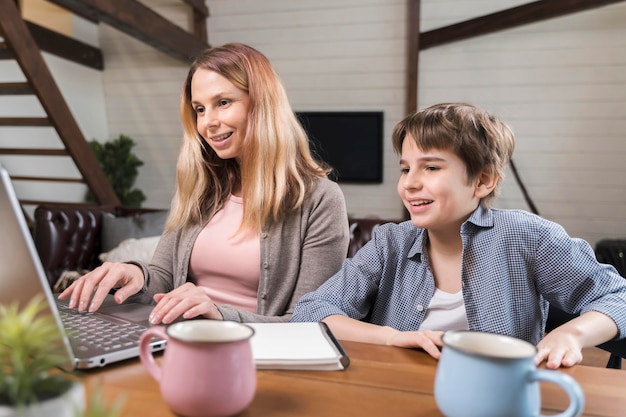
x: 446, y: 312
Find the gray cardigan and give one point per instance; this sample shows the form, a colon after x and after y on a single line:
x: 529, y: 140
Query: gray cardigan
x: 297, y: 256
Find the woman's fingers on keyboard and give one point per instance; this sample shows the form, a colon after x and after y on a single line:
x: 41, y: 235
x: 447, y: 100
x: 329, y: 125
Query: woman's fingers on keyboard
x: 92, y: 289
x: 89, y: 291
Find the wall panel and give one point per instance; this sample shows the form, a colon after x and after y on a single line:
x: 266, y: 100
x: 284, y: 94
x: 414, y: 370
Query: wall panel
x: 559, y: 83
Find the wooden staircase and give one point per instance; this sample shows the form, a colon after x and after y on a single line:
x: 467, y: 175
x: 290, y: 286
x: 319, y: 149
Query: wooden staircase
x: 18, y: 43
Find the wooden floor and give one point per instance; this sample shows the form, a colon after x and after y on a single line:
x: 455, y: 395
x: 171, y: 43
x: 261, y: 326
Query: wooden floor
x: 597, y: 357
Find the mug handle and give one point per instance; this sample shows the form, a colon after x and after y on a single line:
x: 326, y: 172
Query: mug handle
x: 569, y: 385
x: 145, y: 353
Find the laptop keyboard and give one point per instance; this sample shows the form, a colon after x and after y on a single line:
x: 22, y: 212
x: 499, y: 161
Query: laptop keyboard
x: 106, y: 333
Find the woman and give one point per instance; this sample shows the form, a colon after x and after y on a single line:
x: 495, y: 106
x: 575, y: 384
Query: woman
x: 254, y: 223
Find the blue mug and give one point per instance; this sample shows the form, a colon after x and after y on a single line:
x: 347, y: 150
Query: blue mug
x: 490, y: 375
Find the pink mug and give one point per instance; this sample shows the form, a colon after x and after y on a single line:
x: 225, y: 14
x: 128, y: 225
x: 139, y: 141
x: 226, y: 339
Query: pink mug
x: 207, y: 369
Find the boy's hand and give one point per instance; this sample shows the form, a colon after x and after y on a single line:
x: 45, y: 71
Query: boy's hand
x: 559, y: 348
x: 563, y: 345
x: 428, y: 340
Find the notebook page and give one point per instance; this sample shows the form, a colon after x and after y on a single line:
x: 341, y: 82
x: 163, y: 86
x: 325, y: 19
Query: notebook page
x: 284, y: 344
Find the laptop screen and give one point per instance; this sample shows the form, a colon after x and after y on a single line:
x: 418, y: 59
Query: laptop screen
x: 21, y: 273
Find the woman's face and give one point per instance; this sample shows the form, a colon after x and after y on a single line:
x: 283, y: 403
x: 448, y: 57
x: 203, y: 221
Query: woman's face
x: 221, y: 112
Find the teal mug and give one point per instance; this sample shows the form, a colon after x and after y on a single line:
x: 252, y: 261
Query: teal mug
x: 490, y: 375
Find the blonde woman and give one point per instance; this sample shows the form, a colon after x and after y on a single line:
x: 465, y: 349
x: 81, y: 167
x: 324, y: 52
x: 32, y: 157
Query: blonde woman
x: 255, y: 223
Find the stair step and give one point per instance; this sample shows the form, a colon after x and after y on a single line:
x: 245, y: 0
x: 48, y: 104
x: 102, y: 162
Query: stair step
x: 33, y: 151
x: 15, y: 88
x: 5, y: 52
x: 47, y: 179
x: 25, y: 121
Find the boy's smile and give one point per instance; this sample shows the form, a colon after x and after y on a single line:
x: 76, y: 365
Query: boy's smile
x: 434, y: 188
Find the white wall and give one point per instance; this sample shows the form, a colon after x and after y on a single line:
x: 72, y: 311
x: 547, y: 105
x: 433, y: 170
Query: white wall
x: 142, y: 92
x: 559, y: 83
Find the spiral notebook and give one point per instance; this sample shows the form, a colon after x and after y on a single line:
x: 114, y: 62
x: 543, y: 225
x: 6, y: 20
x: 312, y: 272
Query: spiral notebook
x: 297, y: 346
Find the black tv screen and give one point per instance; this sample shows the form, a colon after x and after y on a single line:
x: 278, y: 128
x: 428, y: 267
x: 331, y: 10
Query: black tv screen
x: 350, y: 142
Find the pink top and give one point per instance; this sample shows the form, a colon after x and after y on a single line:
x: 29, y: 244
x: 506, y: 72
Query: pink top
x: 225, y: 264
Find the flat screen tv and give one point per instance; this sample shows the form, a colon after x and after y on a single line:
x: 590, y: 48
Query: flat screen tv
x: 350, y: 142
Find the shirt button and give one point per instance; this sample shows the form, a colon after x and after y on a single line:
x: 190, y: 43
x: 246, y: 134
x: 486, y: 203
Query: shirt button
x: 263, y: 296
x: 264, y: 235
x: 420, y: 307
x: 265, y: 265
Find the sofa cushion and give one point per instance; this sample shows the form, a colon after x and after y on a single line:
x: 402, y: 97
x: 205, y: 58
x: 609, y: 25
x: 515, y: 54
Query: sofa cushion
x: 116, y: 229
x: 140, y: 250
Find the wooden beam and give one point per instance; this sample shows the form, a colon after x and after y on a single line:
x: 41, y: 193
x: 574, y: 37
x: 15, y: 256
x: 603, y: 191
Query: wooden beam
x: 80, y: 11
x: 33, y: 151
x: 199, y: 26
x: 200, y: 15
x: 413, y: 56
x: 5, y: 53
x: 141, y: 22
x: 198, y: 6
x: 25, y: 121
x: 47, y: 179
x: 507, y: 19
x: 15, y: 89
x: 66, y: 47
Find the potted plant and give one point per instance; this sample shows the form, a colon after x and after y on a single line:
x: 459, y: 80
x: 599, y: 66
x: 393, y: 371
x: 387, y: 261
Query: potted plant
x: 119, y: 164
x: 31, y: 350
x: 98, y: 408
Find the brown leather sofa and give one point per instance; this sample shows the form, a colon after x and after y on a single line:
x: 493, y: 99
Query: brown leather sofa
x: 69, y: 238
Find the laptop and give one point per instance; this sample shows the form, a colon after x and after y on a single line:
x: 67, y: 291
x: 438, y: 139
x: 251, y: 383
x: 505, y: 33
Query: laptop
x: 117, y: 327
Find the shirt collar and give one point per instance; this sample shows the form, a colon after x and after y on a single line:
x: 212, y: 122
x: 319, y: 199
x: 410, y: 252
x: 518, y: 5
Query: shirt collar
x: 419, y: 244
x: 481, y: 217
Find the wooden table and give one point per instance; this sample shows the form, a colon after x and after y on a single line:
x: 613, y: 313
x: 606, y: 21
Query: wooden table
x: 381, y: 381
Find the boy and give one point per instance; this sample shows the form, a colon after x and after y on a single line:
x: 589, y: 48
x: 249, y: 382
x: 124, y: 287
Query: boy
x: 459, y: 264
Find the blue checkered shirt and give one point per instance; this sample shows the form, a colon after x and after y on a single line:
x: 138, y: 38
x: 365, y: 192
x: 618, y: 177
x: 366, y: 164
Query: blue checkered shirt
x: 514, y: 263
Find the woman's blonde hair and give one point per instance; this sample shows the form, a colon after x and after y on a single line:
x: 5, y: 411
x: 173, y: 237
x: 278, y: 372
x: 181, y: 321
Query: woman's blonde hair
x: 276, y: 169
x: 477, y: 137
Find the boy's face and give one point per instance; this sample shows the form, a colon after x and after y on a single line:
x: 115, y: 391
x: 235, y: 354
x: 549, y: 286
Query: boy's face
x: 434, y: 188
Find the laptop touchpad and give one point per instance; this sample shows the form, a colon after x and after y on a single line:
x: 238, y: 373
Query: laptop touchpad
x: 135, y: 312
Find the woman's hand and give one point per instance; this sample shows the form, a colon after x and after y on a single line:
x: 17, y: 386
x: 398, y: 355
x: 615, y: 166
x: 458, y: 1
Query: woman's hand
x: 88, y: 292
x: 187, y: 301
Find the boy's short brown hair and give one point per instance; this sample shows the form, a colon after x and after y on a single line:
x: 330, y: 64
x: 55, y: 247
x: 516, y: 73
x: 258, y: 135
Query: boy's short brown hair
x: 477, y: 137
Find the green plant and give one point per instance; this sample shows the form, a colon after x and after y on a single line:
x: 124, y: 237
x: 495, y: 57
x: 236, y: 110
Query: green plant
x: 120, y: 165
x: 31, y: 348
x: 31, y: 352
x: 98, y: 408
